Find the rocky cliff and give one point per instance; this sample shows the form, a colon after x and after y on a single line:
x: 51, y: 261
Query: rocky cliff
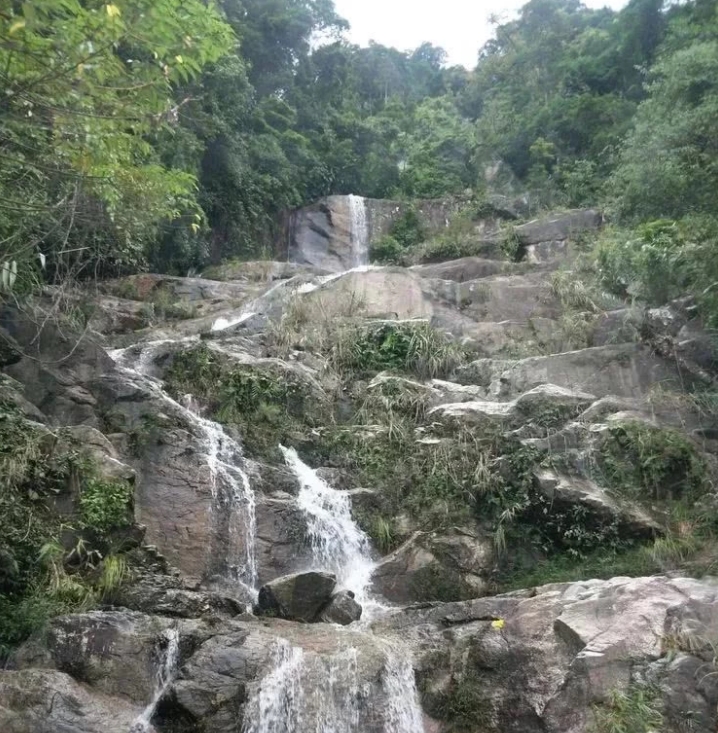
x: 460, y: 447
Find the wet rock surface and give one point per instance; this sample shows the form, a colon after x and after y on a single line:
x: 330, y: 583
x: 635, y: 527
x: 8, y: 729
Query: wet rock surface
x: 299, y: 597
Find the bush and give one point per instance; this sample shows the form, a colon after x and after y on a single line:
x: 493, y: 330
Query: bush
x: 387, y: 251
x: 646, y: 462
x: 39, y: 578
x: 105, y: 505
x: 649, y: 263
x: 407, y: 229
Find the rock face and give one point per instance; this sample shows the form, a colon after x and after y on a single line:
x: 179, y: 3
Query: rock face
x: 543, y: 661
x: 223, y: 514
x: 334, y: 234
x: 549, y: 660
x: 45, y: 701
x: 299, y: 597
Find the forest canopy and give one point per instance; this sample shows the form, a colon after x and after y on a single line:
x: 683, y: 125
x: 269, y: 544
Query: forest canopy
x: 172, y: 133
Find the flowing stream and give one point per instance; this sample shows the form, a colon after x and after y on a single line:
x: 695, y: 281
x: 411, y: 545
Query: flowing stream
x: 338, y: 543
x: 307, y: 693
x: 164, y: 676
x: 360, y: 230
x: 231, y: 488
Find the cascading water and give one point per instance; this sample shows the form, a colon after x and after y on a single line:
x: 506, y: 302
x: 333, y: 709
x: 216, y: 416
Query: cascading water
x: 359, y: 230
x: 338, y: 543
x: 164, y: 676
x: 403, y: 709
x: 231, y: 487
x: 277, y: 704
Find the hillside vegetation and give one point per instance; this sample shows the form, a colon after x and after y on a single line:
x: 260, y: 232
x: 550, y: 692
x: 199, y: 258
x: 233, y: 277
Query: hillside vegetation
x: 129, y: 142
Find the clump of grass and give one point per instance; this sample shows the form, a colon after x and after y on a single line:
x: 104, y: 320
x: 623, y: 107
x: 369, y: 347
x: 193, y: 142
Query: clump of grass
x: 637, y: 710
x: 464, y: 706
x: 644, y: 461
x: 574, y: 292
x: 409, y: 347
x: 511, y: 244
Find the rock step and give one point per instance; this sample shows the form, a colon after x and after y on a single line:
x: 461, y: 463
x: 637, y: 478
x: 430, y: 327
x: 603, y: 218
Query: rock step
x: 623, y: 370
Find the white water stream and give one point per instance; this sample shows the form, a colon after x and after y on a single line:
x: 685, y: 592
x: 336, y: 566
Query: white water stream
x: 360, y: 230
x: 338, y: 544
x: 306, y: 694
x: 164, y: 676
x: 231, y: 487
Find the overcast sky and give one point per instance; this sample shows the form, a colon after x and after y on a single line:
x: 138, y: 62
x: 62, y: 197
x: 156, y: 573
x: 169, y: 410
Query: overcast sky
x: 459, y: 26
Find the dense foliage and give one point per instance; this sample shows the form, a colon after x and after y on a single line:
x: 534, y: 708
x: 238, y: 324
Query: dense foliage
x: 178, y: 133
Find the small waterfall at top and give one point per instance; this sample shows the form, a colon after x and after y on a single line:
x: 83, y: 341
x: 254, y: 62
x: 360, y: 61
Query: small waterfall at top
x: 338, y: 543
x: 164, y: 676
x: 359, y: 230
x: 231, y: 488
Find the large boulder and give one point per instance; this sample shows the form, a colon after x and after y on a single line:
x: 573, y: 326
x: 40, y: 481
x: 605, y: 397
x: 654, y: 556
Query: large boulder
x: 625, y: 370
x: 299, y: 597
x: 559, y: 227
x: 391, y: 293
x: 436, y: 566
x: 114, y: 652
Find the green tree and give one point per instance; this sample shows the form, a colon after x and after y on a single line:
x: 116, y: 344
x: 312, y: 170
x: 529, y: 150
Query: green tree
x: 85, y: 83
x: 669, y: 166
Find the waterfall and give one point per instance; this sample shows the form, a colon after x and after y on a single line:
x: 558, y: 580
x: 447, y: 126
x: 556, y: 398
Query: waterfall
x: 305, y: 692
x: 164, y: 676
x: 338, y: 543
x: 403, y: 709
x: 359, y: 230
x: 231, y: 487
x: 277, y: 703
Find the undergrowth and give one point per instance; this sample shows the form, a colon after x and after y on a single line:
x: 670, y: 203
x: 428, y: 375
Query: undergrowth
x: 407, y: 347
x: 53, y: 562
x: 267, y: 408
x: 638, y: 710
x: 647, y: 462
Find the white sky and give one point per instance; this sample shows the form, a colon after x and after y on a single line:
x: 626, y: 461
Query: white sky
x: 459, y: 26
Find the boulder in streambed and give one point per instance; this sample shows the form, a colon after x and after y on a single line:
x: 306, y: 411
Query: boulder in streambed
x: 298, y: 597
x: 343, y: 609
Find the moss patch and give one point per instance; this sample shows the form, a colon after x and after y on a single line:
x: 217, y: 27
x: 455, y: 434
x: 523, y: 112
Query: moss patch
x: 266, y: 408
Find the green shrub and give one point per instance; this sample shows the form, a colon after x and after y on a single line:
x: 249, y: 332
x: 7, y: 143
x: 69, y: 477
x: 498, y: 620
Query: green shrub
x: 39, y: 578
x: 387, y: 251
x: 105, y: 505
x: 646, y: 462
x: 511, y: 245
x: 407, y: 229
